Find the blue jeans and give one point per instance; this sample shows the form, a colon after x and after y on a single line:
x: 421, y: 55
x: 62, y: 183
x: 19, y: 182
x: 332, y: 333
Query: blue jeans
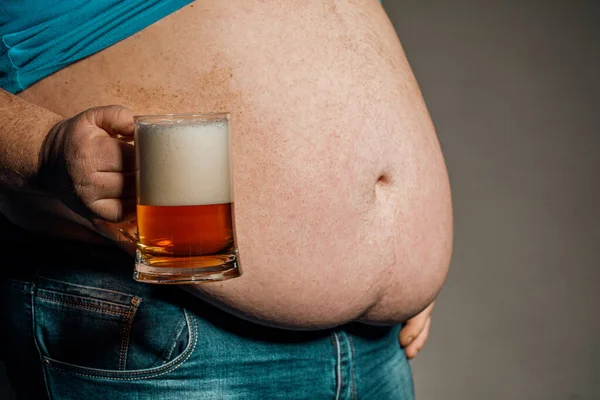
x: 76, y: 326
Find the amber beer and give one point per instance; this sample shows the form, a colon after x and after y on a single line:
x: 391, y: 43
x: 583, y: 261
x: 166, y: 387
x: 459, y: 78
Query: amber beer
x: 184, y: 199
x: 181, y: 231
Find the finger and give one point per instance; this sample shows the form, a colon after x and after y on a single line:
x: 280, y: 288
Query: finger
x: 114, y: 232
x: 113, y: 185
x: 417, y: 344
x: 415, y: 325
x: 112, y: 155
x: 413, y: 328
x: 114, y: 210
x: 115, y: 120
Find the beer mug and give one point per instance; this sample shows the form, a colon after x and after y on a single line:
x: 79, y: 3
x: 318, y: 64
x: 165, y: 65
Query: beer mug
x: 185, y: 216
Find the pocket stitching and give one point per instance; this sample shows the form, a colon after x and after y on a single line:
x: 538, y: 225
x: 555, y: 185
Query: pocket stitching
x: 90, y: 307
x: 94, y: 288
x: 174, y: 344
x: 85, y: 299
x: 126, y: 330
x: 163, y: 370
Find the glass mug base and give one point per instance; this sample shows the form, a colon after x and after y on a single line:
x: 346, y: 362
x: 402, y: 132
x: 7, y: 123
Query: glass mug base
x: 180, y: 270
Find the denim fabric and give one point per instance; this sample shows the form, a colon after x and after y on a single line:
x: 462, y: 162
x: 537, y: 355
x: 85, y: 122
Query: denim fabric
x: 76, y: 326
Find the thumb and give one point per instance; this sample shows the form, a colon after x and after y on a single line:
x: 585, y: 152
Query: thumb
x: 115, y: 120
x: 413, y: 327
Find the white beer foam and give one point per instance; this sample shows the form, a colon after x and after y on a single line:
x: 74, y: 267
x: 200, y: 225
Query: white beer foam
x: 184, y: 163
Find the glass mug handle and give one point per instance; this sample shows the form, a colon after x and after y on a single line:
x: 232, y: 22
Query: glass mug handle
x: 107, y: 229
x: 132, y: 238
x: 131, y: 224
x: 126, y: 139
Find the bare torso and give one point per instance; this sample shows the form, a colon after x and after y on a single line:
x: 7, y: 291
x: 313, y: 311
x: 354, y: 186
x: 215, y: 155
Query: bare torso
x: 338, y: 173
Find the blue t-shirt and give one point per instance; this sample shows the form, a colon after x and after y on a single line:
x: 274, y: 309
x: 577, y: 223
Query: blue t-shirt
x: 39, y: 37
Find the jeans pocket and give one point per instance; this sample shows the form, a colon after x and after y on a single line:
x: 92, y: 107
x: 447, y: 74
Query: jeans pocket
x: 96, y: 332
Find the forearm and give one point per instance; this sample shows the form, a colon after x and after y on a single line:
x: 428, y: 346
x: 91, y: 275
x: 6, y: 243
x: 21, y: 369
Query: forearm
x: 23, y: 128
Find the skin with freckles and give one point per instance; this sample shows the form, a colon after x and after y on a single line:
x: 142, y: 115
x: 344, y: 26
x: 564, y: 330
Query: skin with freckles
x: 342, y: 199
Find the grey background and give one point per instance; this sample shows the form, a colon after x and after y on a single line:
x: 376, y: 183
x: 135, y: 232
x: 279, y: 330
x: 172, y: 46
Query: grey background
x: 513, y: 89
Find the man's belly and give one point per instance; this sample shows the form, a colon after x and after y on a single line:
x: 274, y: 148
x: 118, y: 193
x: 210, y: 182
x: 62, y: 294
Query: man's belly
x: 335, y: 157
